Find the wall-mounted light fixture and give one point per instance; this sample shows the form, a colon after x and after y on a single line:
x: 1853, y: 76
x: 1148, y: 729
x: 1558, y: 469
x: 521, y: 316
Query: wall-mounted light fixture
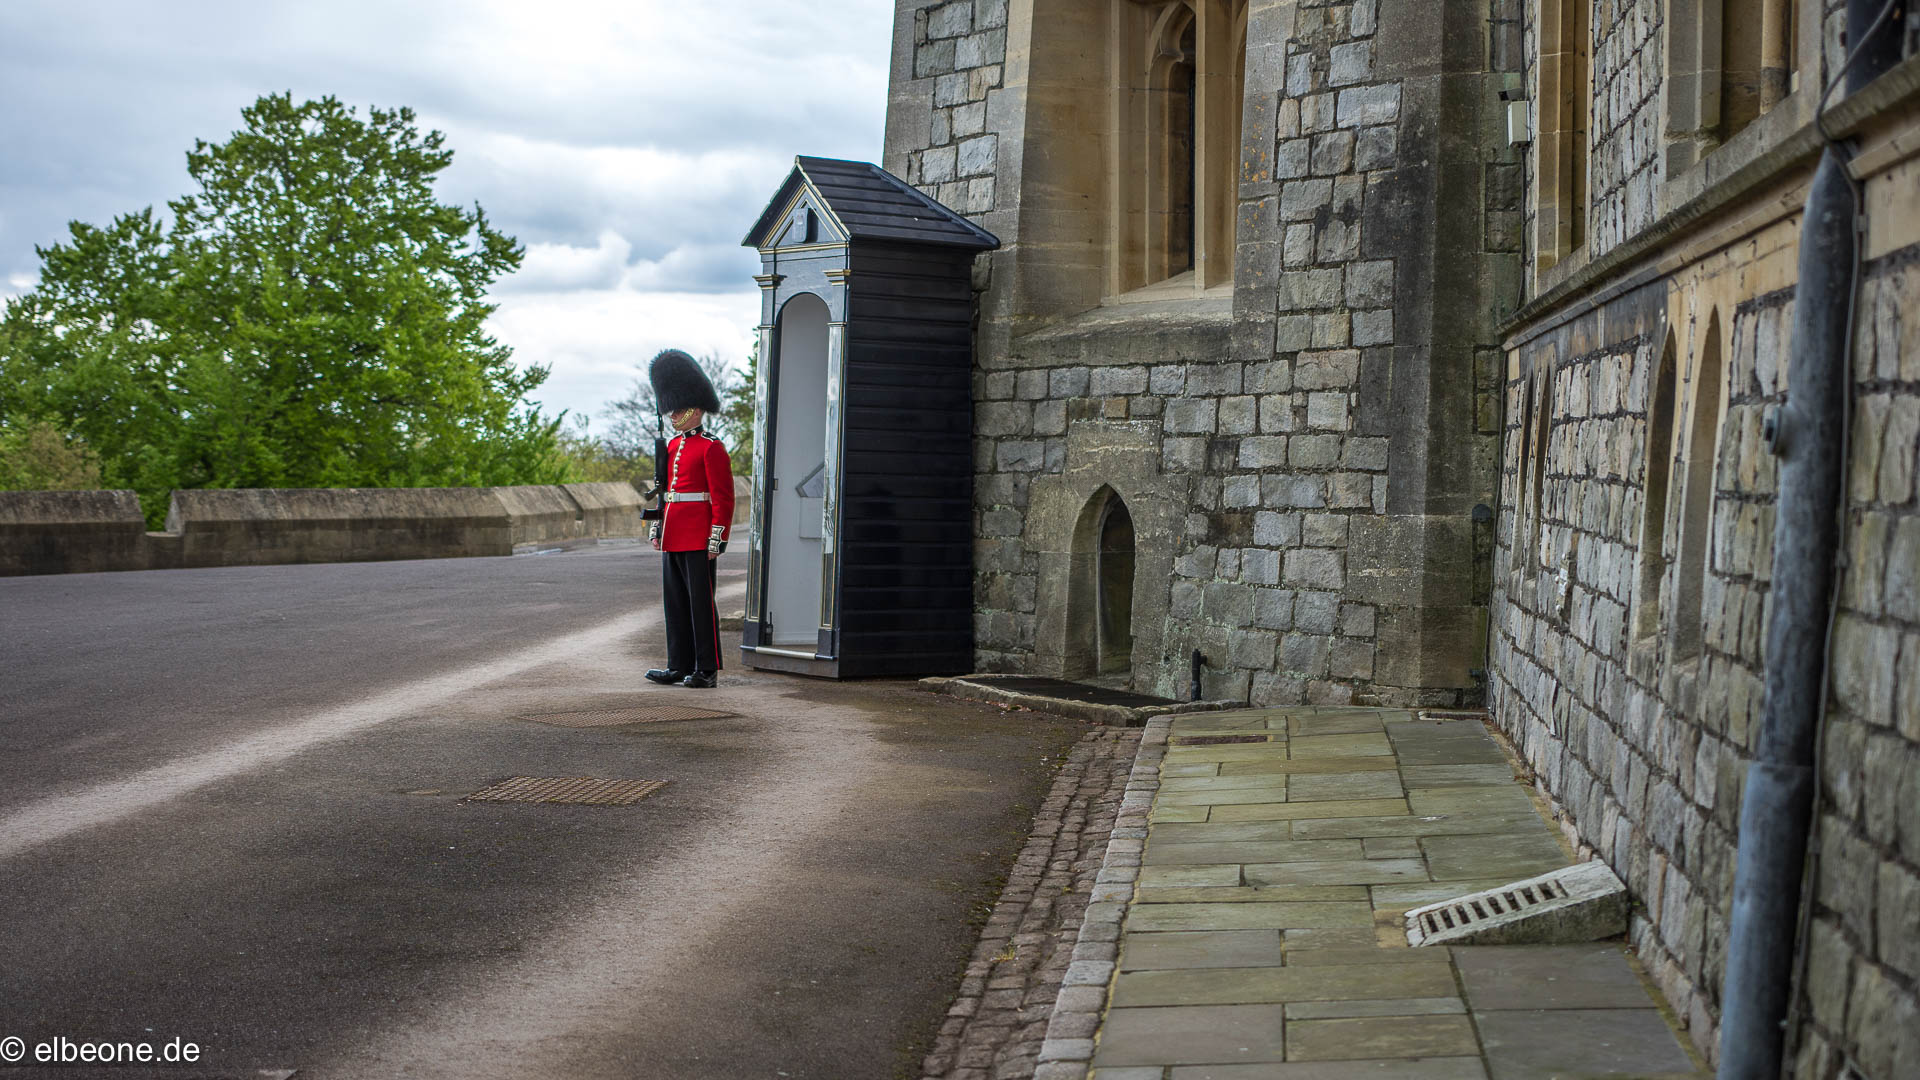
x: 1519, y: 133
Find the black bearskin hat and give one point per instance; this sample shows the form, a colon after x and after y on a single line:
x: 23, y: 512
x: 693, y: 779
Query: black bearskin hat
x: 678, y: 383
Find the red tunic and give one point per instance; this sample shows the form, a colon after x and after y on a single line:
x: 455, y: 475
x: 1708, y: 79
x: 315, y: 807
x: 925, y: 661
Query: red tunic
x: 697, y: 462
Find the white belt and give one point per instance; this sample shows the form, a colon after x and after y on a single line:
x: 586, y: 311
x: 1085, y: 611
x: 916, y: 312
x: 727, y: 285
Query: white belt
x: 689, y: 496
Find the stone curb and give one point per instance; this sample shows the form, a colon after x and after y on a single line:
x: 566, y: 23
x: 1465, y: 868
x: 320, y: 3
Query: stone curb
x: 1067, y: 1054
x: 979, y: 688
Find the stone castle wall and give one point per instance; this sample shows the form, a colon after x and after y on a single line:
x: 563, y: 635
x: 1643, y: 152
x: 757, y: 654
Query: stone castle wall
x: 1310, y: 445
x: 1626, y: 119
x: 1641, y: 741
x: 956, y: 53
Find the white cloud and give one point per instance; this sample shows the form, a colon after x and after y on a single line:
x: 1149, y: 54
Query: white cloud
x: 629, y: 144
x: 598, y: 341
x: 550, y: 267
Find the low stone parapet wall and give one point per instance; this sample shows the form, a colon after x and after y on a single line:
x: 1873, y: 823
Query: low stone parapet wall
x: 70, y: 532
x: 267, y: 526
x: 53, y: 532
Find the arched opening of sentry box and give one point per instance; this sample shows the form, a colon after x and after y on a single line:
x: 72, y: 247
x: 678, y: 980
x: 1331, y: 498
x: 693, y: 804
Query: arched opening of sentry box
x: 798, y: 470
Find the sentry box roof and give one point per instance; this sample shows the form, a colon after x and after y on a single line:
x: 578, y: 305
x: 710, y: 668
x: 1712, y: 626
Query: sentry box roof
x: 858, y: 201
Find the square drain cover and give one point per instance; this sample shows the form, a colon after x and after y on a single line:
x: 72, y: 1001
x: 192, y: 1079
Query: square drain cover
x: 638, y: 714
x: 576, y: 790
x: 1217, y: 740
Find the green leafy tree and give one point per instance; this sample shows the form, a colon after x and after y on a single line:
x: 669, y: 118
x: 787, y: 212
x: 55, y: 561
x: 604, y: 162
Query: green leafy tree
x: 736, y: 411
x: 634, y: 420
x: 38, y: 457
x: 312, y: 316
x: 589, y: 458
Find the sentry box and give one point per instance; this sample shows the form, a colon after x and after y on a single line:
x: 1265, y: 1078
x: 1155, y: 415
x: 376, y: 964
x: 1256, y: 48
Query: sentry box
x: 860, y: 543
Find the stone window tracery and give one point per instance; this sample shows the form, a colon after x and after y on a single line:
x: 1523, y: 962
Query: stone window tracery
x: 1727, y: 64
x: 1179, y: 70
x: 1564, y: 100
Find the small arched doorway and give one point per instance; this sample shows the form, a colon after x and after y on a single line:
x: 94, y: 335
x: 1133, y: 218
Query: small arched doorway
x: 1113, y: 577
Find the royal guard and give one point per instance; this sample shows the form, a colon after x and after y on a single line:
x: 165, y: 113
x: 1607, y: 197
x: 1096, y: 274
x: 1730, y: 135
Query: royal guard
x: 697, y: 514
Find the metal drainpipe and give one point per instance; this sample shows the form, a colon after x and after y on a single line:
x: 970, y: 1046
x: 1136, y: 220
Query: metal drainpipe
x: 1808, y: 434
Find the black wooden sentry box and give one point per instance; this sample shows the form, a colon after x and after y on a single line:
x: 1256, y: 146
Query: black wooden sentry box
x: 861, y: 539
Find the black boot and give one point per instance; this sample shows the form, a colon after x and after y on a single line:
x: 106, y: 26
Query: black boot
x: 702, y: 680
x: 665, y: 676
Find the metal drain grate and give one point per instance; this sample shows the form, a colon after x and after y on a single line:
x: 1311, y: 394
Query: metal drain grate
x: 1453, y: 714
x: 1483, y: 906
x: 639, y: 714
x: 1219, y: 740
x: 575, y: 790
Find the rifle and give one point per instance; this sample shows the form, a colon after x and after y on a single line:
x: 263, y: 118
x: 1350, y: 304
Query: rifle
x: 659, y: 488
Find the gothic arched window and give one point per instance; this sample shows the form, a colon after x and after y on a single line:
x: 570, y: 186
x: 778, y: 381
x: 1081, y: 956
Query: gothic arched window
x: 1176, y: 158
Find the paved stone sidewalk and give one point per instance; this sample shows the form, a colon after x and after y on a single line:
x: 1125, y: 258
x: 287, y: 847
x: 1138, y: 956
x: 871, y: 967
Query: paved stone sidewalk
x: 995, y: 1028
x: 1264, y: 938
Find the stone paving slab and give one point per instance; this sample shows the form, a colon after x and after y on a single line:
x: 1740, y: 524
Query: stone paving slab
x: 1528, y: 1044
x: 1509, y: 856
x: 1261, y: 933
x: 1269, y: 792
x: 1330, y: 1010
x: 1343, y: 786
x: 1177, y: 894
x: 1365, y: 954
x: 1345, y: 982
x: 1212, y: 782
x: 1201, y: 949
x: 1253, y: 852
x: 1335, y: 872
x: 1380, y: 1037
x: 1261, y: 766
x: 1432, y: 776
x: 1418, y: 824
x: 1177, y: 876
x: 1306, y: 810
x: 1370, y: 744
x: 1175, y: 1035
x: 1592, y: 976
x: 1405, y: 896
x: 1336, y: 724
x: 1256, y: 916
x: 1462, y: 1068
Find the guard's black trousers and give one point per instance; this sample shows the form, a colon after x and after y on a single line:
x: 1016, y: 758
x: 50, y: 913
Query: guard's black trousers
x: 693, y: 625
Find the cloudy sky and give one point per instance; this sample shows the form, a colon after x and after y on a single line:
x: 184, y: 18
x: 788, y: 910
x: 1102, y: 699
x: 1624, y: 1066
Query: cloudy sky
x: 629, y: 144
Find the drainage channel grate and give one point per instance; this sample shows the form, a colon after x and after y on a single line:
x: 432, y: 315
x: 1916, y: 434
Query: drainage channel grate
x: 1485, y: 906
x: 574, y: 790
x: 640, y: 714
x: 1219, y: 740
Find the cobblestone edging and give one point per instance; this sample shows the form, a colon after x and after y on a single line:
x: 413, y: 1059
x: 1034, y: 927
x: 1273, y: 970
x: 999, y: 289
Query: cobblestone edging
x: 1067, y: 1052
x: 1028, y: 949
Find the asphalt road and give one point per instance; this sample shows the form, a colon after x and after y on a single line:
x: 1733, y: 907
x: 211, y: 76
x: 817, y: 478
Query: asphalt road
x: 231, y: 813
